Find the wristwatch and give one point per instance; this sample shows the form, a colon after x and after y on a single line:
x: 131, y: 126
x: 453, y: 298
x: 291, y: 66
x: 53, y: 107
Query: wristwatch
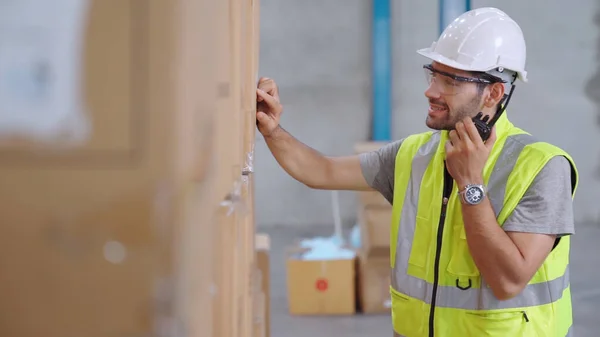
x: 472, y: 194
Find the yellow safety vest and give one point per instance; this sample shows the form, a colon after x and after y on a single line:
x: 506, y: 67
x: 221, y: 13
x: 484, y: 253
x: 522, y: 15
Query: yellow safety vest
x: 430, y: 254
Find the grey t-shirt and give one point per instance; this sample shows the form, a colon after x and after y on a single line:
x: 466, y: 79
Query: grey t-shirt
x: 546, y: 207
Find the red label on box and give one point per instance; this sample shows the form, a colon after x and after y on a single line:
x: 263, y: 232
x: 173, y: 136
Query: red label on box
x: 322, y: 284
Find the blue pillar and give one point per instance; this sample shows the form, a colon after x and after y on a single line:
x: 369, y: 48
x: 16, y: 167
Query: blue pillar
x: 450, y: 10
x: 382, y: 71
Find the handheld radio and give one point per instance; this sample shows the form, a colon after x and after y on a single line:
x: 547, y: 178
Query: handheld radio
x: 481, y: 122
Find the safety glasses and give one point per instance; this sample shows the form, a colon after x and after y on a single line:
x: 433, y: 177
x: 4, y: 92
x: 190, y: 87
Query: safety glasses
x: 450, y: 84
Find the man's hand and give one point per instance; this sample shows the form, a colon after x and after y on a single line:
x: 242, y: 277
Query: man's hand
x: 466, y: 153
x: 268, y: 108
x: 300, y: 161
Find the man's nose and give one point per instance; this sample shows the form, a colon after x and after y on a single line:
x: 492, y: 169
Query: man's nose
x: 432, y: 91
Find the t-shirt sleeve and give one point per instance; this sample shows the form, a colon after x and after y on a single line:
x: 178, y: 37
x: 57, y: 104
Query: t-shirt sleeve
x: 547, y: 206
x: 378, y: 168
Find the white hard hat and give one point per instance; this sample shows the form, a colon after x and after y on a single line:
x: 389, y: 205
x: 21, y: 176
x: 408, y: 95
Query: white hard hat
x: 483, y: 40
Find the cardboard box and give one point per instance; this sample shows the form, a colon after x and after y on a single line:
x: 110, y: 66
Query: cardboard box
x: 110, y: 213
x: 374, y: 285
x: 236, y: 301
x: 229, y: 120
x: 372, y: 199
x: 375, y: 231
x: 321, y: 287
x: 109, y: 234
x: 262, y: 323
x: 259, y: 327
x: 373, y: 215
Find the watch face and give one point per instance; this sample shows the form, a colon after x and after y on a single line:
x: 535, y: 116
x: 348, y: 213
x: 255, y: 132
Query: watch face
x: 474, y: 195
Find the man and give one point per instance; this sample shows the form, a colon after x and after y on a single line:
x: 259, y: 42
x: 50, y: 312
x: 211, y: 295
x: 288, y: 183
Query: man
x: 480, y: 229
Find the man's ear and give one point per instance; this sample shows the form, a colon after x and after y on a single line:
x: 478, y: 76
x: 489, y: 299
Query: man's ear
x: 496, y: 92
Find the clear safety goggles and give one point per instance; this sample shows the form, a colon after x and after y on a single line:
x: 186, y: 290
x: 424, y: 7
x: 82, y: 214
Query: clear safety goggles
x: 449, y: 84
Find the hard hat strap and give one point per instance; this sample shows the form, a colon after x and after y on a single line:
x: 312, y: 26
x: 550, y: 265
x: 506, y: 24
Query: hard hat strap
x: 502, y: 107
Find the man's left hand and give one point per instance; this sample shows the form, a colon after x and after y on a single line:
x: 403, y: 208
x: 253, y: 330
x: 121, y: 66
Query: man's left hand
x: 466, y: 153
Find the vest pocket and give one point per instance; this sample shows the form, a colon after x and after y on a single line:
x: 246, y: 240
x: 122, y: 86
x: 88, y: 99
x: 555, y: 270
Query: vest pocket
x: 407, y: 314
x: 505, y: 323
x: 461, y: 263
x: 421, y: 243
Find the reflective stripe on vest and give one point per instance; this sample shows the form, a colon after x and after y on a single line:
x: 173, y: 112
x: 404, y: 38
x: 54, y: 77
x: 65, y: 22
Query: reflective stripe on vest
x: 475, y: 298
x: 569, y: 333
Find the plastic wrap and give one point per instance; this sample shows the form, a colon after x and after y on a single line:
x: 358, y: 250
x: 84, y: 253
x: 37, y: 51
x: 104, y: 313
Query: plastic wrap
x: 249, y: 165
x: 234, y: 200
x: 326, y: 248
x: 355, y: 237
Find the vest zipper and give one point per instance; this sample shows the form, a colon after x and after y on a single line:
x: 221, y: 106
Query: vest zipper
x: 438, y: 250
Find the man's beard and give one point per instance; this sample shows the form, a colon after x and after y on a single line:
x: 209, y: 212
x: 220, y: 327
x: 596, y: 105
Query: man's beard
x: 469, y: 109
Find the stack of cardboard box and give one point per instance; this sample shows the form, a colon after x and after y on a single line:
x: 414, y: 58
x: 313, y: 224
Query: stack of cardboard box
x: 374, y: 217
x: 343, y: 280
x: 127, y: 210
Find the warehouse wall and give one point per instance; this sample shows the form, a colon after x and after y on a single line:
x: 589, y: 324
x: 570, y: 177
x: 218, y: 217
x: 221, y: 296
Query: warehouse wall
x: 319, y: 54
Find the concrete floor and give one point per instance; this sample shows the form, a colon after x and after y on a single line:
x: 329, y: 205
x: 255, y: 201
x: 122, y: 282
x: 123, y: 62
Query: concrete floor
x: 585, y: 283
